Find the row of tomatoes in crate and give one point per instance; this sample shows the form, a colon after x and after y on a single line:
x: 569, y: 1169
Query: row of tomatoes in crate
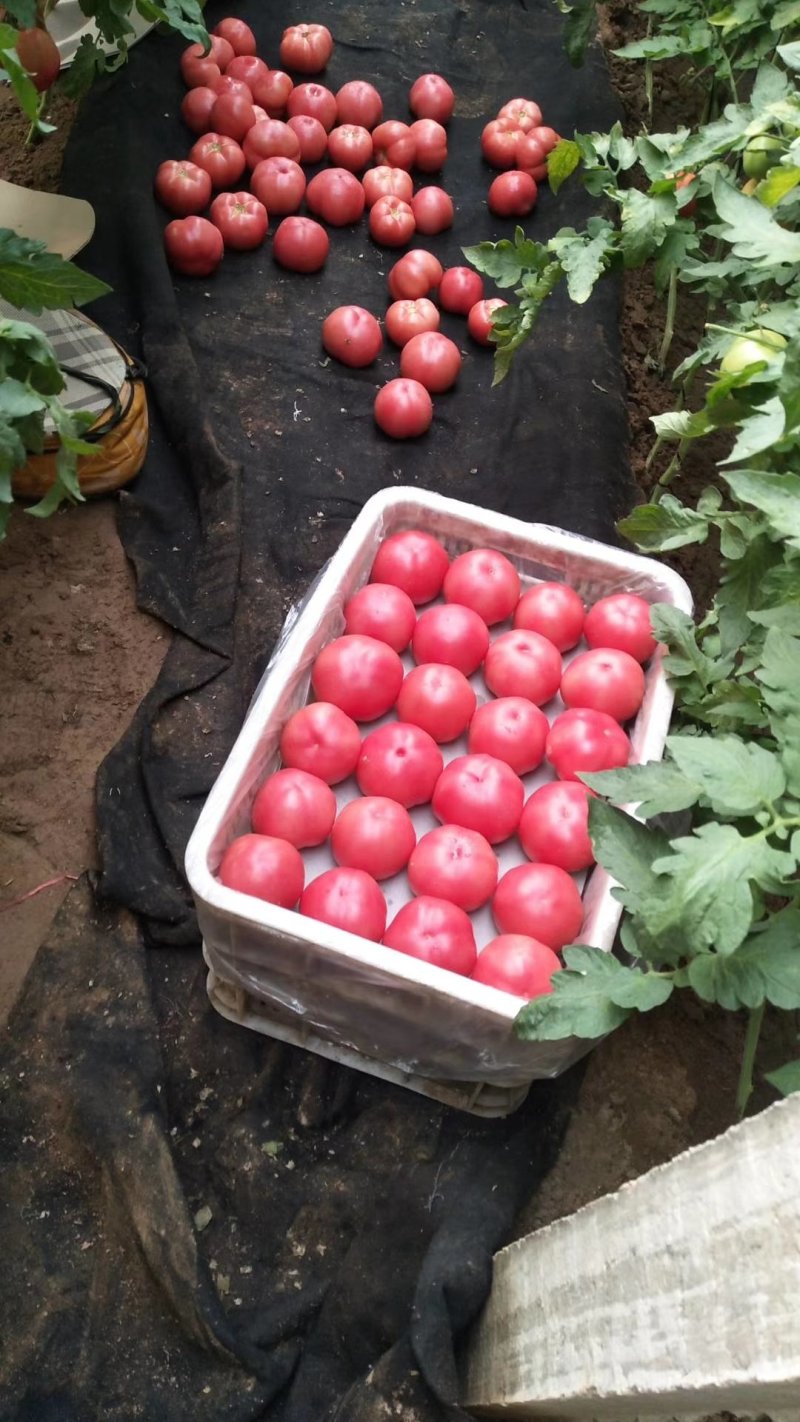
x: 479, y: 798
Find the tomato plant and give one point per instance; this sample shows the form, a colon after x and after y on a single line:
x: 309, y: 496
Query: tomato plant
x: 512, y: 194
x: 480, y: 793
x: 221, y: 157
x: 311, y: 136
x: 405, y: 319
x: 522, y: 663
x: 401, y: 761
x: 555, y: 611
x: 348, y: 899
x: 604, y: 679
x: 541, y: 901
x: 384, y: 181
x: 455, y: 864
x: 280, y: 184
x: 435, y: 931
x: 336, y: 196
x: 265, y: 867
x: 350, y: 146
x: 391, y: 222
x: 453, y: 635
x: 300, y: 244
x: 432, y: 359
x: 459, y: 289
x: 313, y: 99
x: 321, y: 739
x: 360, y: 675
x: 438, y: 698
x: 381, y: 610
x: 484, y: 580
x: 414, y: 561
x: 306, y: 48
x: 403, y: 409
x: 431, y: 97
x: 360, y: 103
x: 241, y: 219
x: 182, y: 188
x: 193, y: 245
x: 554, y: 827
x: 296, y: 806
x: 512, y: 729
x: 433, y: 210
x: 375, y: 834
x: 517, y: 964
x: 353, y: 336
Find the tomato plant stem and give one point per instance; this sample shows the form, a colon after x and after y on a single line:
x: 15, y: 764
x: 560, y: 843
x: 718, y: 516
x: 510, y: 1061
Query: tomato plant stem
x: 669, y: 320
x: 745, y: 1086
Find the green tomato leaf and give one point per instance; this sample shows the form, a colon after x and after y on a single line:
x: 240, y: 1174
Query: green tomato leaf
x: 737, y: 777
x: 580, y: 1004
x: 752, y: 230
x: 777, y: 185
x: 18, y: 399
x: 88, y: 62
x: 640, y: 991
x: 786, y: 1079
x: 33, y: 278
x: 790, y: 54
x: 777, y: 496
x: 584, y: 256
x: 655, y: 528
x: 183, y: 16
x: 562, y: 162
x: 740, y: 589
x: 759, y: 431
x: 645, y: 221
x: 656, y: 788
x: 681, y: 424
x: 580, y: 28
x: 730, y: 981
x: 23, y: 12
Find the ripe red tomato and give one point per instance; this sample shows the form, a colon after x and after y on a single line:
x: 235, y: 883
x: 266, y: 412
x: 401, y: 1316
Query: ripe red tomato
x: 433, y: 210
x: 272, y: 91
x: 432, y: 359
x: 381, y: 610
x: 531, y: 154
x: 484, y: 580
x: 241, y: 219
x: 400, y: 761
x: 221, y: 51
x: 348, y: 899
x: 459, y: 289
x: 621, y: 620
x: 313, y: 99
x: 306, y: 48
x: 182, y: 187
x: 417, y: 273
x: 221, y: 157
x: 414, y: 561
x: 456, y: 864
x: 548, y: 137
x: 387, y: 182
x: 240, y: 37
x: 521, y: 663
x: 337, y: 196
x: 248, y: 68
x: 232, y: 115
x: 193, y: 245
x: 375, y: 834
x: 321, y: 739
x: 512, y: 194
x: 499, y: 144
x: 261, y: 114
x: 438, y: 699
x: 554, y: 827
x: 431, y: 97
x: 280, y: 184
x: 453, y: 635
x: 350, y: 145
x: 271, y: 138
x: 300, y: 244
x: 430, y: 140
x: 517, y: 964
x: 359, y: 674
x: 405, y: 319
x: 353, y: 336
x: 436, y: 932
x: 553, y: 610
x: 311, y: 136
x: 198, y: 68
x: 540, y: 900
x: 479, y: 320
x: 393, y: 144
x: 604, y: 679
x: 391, y: 222
x: 38, y: 52
x: 293, y: 805
x: 227, y: 84
x: 196, y: 107
x: 585, y: 740
x: 359, y: 102
x: 403, y: 409
x: 525, y: 113
x: 480, y: 793
x: 265, y: 867
x: 511, y: 729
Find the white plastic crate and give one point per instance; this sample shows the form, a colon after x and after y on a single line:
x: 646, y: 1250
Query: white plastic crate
x: 333, y: 992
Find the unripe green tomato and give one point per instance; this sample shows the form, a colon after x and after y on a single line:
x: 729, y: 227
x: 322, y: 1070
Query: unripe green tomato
x: 760, y: 155
x: 745, y: 350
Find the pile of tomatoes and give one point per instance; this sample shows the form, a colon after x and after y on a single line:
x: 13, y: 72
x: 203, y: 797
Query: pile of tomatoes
x: 474, y: 618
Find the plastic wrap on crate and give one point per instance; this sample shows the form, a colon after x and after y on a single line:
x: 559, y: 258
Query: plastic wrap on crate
x: 391, y: 1009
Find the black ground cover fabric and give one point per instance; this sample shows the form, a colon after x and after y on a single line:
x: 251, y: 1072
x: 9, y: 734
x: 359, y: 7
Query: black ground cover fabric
x: 351, y: 1224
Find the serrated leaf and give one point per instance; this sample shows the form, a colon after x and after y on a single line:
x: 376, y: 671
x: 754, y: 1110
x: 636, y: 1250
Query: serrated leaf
x: 790, y: 54
x: 656, y: 788
x: 740, y: 588
x: 580, y: 27
x: 777, y: 184
x: 34, y: 279
x: 88, y: 61
x: 681, y: 424
x: 18, y: 399
x: 668, y: 524
x: 640, y: 991
x: 579, y: 1005
x: 737, y: 777
x: 727, y: 980
x: 183, y: 16
x: 644, y: 222
x: 776, y: 495
x: 786, y: 1079
x: 786, y: 618
x: 759, y: 431
x: 752, y: 230
x: 505, y: 261
x: 584, y: 257
x: 562, y: 162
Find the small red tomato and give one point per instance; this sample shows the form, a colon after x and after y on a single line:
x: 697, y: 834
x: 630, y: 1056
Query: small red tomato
x: 348, y: 899
x: 453, y: 635
x: 336, y: 196
x: 232, y: 115
x: 359, y: 102
x: 436, y: 932
x: 512, y: 729
x: 585, y: 740
x: 414, y: 561
x: 522, y: 663
x: 38, y: 52
x: 400, y: 761
x: 359, y: 674
x: 459, y: 289
x: 293, y: 805
x: 353, y: 336
x: 430, y: 141
x: 531, y: 155
x: 311, y: 136
x: 479, y: 320
x: 484, y: 580
x: 240, y: 37
x: 272, y: 92
x: 350, y: 146
x: 196, y: 107
x: 517, y: 964
x: 375, y: 834
x: 403, y: 409
x: 540, y: 900
x: 604, y: 679
x: 322, y: 740
x: 280, y: 184
x: 525, y: 113
x: 553, y: 610
x: 499, y: 144
x: 416, y: 273
x: 226, y: 84
x: 306, y: 48
x: 382, y: 611
x: 268, y: 868
x: 313, y: 99
x: 248, y: 68
x: 391, y: 222
x: 300, y: 244
x: 241, y: 219
x: 456, y: 864
x: 480, y: 793
x: 221, y: 157
x: 386, y: 135
x: 387, y: 182
x: 431, y: 97
x: 432, y: 359
x: 182, y: 187
x: 512, y: 194
x: 193, y: 245
x: 405, y: 319
x: 621, y: 620
x: 198, y: 68
x: 271, y: 138
x: 433, y: 210
x: 439, y: 699
x: 554, y: 827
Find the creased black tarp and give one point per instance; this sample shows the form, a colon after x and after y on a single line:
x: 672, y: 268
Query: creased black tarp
x: 352, y: 1224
